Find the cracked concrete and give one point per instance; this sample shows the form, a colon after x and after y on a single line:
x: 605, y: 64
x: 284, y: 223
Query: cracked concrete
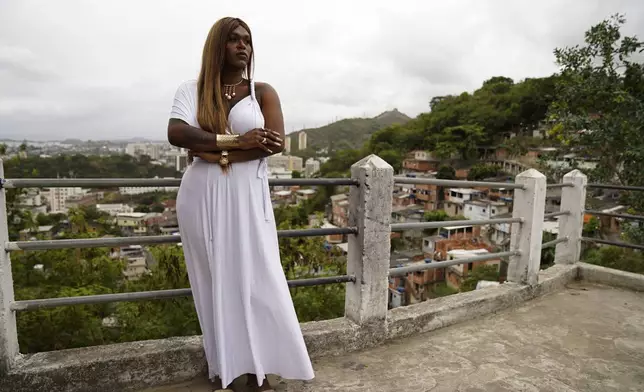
x: 584, y: 338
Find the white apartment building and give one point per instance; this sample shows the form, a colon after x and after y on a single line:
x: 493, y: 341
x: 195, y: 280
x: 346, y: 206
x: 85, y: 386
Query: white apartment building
x: 57, y: 198
x: 287, y: 145
x: 302, y: 141
x: 287, y: 162
x: 456, y: 197
x: 484, y: 209
x: 153, y: 150
x: 312, y: 166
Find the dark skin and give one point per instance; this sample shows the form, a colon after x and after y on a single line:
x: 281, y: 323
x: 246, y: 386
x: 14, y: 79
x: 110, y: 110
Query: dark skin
x: 255, y: 144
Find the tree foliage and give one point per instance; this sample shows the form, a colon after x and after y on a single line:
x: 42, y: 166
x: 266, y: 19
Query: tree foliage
x: 458, y: 124
x: 600, y: 102
x: 481, y: 272
x: 599, y: 108
x: 86, y: 166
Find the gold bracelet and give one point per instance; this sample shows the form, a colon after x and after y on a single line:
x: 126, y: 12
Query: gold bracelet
x: 227, y: 141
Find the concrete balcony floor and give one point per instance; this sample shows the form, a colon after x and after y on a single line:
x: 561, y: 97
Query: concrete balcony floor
x: 585, y: 338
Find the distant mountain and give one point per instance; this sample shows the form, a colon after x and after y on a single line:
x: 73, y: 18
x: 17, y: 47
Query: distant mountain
x: 347, y: 133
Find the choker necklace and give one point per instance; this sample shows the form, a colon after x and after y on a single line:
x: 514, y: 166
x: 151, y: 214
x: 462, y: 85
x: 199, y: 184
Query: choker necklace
x: 229, y: 89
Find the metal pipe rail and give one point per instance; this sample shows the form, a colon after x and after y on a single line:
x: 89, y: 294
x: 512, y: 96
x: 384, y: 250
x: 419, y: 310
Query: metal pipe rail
x: 36, y: 304
x: 554, y: 214
x: 441, y: 264
x: 612, y: 215
x: 9, y: 183
x: 153, y: 240
x: 457, y: 183
x: 561, y: 185
x: 552, y: 243
x: 616, y: 187
x: 613, y: 243
x: 441, y: 224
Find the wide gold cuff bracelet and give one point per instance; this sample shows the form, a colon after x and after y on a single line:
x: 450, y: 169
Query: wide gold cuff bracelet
x: 227, y: 141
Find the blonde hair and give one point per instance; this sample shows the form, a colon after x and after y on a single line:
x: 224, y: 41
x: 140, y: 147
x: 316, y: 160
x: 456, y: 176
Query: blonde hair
x: 211, y: 108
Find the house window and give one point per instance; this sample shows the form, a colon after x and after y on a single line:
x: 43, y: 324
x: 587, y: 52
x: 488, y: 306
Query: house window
x: 470, y: 208
x: 493, y: 211
x: 484, y: 210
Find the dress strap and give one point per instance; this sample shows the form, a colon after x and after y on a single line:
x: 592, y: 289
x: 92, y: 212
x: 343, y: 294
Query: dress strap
x: 252, y: 90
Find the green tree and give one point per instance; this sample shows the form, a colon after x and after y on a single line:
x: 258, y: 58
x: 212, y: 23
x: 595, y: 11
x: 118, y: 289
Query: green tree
x: 310, y: 257
x: 164, y: 318
x: 548, y: 254
x: 480, y: 172
x: 446, y: 173
x: 623, y: 259
x: 482, y: 272
x: 600, y: 105
x: 438, y: 216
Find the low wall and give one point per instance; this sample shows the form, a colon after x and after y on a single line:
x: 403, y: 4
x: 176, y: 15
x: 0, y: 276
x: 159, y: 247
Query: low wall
x: 138, y: 365
x: 611, y: 277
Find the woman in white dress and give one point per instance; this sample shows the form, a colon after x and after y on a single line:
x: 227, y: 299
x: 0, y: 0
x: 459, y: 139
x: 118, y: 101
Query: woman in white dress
x: 231, y: 124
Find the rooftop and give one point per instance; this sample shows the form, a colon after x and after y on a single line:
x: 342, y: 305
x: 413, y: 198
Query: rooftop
x: 559, y: 342
x: 465, y: 191
x: 485, y: 202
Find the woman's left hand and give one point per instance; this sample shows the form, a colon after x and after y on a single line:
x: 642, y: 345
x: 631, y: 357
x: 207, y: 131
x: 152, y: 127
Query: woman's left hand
x: 208, y: 156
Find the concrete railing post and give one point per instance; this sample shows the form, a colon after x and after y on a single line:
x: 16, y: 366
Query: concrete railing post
x: 529, y: 204
x: 8, y: 331
x: 369, y: 250
x: 573, y: 200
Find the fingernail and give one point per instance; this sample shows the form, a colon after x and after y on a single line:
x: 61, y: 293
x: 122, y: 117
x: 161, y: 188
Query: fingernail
x: 279, y: 140
x: 270, y: 151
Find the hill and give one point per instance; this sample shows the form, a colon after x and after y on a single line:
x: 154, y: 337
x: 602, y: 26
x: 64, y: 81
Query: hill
x: 347, y: 133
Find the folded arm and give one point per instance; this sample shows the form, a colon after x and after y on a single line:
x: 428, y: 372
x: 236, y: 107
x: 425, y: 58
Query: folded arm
x: 181, y: 134
x: 234, y: 156
x: 273, y: 120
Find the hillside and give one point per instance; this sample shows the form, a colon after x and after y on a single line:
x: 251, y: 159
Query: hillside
x: 347, y: 133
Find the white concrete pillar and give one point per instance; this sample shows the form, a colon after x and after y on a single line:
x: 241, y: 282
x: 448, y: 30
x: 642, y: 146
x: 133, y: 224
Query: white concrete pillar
x: 529, y: 204
x: 573, y: 200
x: 369, y: 250
x: 8, y: 330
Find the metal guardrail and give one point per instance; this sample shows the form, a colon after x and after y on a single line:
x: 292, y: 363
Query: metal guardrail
x: 555, y: 214
x: 457, y: 183
x: 561, y: 185
x: 612, y: 215
x: 616, y: 187
x: 552, y: 243
x: 153, y: 239
x: 613, y: 243
x: 441, y: 224
x: 36, y: 304
x: 421, y: 266
x: 146, y: 182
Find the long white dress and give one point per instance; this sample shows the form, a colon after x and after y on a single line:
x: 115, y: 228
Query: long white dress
x: 232, y: 254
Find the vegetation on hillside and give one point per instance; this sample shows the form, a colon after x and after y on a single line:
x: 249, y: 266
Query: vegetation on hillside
x: 86, y: 166
x: 460, y: 124
x: 344, y: 134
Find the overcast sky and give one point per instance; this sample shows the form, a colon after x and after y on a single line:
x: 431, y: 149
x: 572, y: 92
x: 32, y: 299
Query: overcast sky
x: 108, y: 69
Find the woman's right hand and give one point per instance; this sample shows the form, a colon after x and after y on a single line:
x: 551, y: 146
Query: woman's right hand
x: 260, y: 138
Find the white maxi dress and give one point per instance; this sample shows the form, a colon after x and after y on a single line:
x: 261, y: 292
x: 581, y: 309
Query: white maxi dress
x: 232, y: 255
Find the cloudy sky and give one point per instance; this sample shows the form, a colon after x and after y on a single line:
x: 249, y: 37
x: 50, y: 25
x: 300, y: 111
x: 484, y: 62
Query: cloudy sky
x: 108, y: 69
